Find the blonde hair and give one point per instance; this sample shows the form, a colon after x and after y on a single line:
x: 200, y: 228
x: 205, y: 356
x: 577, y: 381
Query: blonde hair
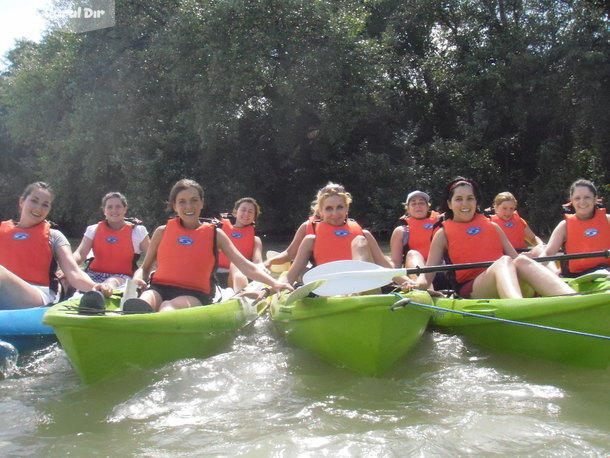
x: 331, y: 189
x: 504, y: 197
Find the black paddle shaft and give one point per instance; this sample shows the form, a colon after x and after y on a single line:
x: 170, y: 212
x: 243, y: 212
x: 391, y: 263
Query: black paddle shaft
x: 485, y: 264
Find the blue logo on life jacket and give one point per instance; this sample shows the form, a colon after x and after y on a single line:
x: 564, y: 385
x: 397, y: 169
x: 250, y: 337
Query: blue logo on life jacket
x: 185, y: 240
x: 237, y: 235
x: 428, y: 226
x: 341, y: 232
x: 509, y: 224
x: 474, y: 230
x: 591, y: 232
x: 112, y: 239
x: 21, y: 236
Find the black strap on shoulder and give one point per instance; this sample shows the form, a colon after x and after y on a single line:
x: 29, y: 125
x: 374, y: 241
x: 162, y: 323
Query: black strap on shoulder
x: 568, y: 208
x: 135, y: 221
x: 216, y: 222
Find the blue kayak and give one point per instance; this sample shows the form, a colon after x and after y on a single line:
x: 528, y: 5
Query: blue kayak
x: 23, y: 328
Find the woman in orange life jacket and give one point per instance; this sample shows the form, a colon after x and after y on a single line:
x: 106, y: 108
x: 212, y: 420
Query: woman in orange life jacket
x: 185, y: 253
x: 410, y: 242
x: 586, y: 230
x: 468, y: 236
x: 116, y: 244
x: 335, y: 237
x: 306, y: 228
x: 245, y: 213
x: 517, y: 230
x: 28, y: 249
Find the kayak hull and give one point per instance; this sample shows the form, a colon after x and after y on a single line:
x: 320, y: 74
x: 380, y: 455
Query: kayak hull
x: 24, y: 330
x: 585, y: 313
x: 360, y: 333
x: 102, y: 346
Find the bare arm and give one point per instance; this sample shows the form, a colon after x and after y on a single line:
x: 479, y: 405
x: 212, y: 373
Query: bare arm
x: 257, y: 252
x: 556, y: 240
x: 532, y: 238
x: 144, y: 244
x: 142, y: 275
x: 396, y: 246
x: 290, y: 253
x: 438, y: 247
x: 248, y: 268
x: 378, y: 257
x: 76, y: 277
x: 80, y: 254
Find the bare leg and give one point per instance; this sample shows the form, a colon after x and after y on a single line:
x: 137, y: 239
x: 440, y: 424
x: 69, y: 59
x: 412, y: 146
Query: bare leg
x: 414, y: 259
x: 16, y: 293
x: 545, y: 282
x: 152, y: 297
x: 115, y: 282
x: 238, y: 280
x: 499, y: 280
x: 360, y: 249
x: 180, y: 302
x: 302, y: 258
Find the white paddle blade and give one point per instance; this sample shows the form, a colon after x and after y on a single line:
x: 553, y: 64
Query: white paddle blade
x: 357, y: 281
x: 336, y: 267
x: 303, y: 291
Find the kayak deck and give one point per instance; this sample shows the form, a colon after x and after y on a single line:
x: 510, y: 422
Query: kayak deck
x: 586, y: 313
x: 360, y: 333
x: 102, y: 346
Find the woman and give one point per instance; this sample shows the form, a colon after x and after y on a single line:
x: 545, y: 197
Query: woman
x: 517, y: 230
x: 335, y: 236
x: 185, y: 253
x: 30, y: 251
x: 116, y: 243
x: 241, y: 232
x: 306, y: 228
x: 468, y: 236
x: 586, y: 230
x: 410, y: 242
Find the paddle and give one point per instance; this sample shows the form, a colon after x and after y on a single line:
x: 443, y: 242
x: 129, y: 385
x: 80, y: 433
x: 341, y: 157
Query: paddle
x: 348, y: 277
x: 303, y: 291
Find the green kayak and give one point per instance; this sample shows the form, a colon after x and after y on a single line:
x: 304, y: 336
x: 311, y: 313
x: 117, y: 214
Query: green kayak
x: 583, y: 322
x: 361, y: 333
x: 106, y: 345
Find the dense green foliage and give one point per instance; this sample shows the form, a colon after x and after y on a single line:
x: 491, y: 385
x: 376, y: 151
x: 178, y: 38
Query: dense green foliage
x: 273, y: 98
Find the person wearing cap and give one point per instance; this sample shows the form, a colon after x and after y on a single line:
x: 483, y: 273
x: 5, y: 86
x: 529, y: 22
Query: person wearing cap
x: 467, y: 237
x: 410, y: 241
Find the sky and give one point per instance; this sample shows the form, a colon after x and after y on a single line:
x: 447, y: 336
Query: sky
x: 20, y: 19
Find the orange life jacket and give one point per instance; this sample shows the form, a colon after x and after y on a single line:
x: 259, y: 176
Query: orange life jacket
x: 420, y: 233
x: 587, y: 235
x: 26, y: 252
x: 310, y: 225
x: 514, y: 229
x: 475, y: 241
x: 334, y: 243
x: 187, y: 258
x: 113, y: 250
x: 242, y: 238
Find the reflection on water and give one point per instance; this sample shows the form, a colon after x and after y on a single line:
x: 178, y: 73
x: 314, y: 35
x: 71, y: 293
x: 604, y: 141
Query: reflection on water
x: 264, y: 398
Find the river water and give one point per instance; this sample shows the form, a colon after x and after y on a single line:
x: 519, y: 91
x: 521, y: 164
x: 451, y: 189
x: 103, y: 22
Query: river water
x: 264, y: 398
